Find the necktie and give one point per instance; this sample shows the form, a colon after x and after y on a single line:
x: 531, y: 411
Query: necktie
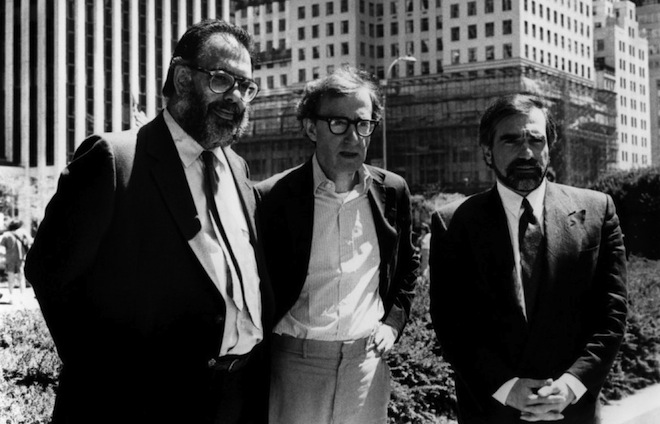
x: 530, y: 239
x: 211, y: 180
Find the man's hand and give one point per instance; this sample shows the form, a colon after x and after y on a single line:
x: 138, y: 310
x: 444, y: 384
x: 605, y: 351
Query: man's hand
x: 558, y: 395
x: 383, y: 338
x: 524, y: 396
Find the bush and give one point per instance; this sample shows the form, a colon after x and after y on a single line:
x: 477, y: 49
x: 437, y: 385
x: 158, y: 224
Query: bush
x: 423, y: 388
x: 636, y: 195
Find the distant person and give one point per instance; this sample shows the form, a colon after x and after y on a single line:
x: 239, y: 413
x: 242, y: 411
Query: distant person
x: 528, y: 282
x: 424, y: 249
x: 146, y: 264
x: 16, y: 244
x: 337, y: 237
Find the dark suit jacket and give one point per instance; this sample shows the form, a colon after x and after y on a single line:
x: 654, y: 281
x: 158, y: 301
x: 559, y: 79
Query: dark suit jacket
x: 579, y: 318
x: 286, y: 212
x: 134, y: 315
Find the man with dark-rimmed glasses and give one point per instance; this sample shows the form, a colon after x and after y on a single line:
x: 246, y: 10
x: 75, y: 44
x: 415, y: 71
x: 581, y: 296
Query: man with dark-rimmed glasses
x: 337, y: 238
x: 147, y: 266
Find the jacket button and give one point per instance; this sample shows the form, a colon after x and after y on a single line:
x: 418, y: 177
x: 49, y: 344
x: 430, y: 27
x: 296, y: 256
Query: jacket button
x: 211, y: 363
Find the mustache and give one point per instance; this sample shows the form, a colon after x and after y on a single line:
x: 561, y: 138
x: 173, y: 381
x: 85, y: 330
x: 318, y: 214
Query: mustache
x: 523, y: 162
x: 222, y: 105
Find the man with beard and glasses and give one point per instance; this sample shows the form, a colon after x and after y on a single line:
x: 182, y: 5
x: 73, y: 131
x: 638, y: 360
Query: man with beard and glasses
x: 146, y: 264
x: 528, y: 281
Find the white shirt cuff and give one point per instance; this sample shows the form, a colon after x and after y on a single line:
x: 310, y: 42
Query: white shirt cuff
x: 503, y: 392
x: 575, y: 385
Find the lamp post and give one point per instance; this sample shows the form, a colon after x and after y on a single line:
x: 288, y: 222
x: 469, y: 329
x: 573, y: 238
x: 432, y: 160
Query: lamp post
x: 389, y: 71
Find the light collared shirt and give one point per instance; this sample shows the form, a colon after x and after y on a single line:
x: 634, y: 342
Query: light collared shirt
x: 339, y: 300
x: 512, y: 203
x: 241, y: 334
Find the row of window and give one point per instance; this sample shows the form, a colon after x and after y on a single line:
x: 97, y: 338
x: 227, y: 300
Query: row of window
x: 623, y: 101
x: 624, y: 140
x: 559, y: 41
x: 633, y: 121
x: 489, y: 54
x: 489, y: 30
x: 583, y: 9
x: 624, y: 83
x: 632, y: 68
x: 546, y: 58
x: 631, y: 49
x: 635, y: 157
x: 489, y: 7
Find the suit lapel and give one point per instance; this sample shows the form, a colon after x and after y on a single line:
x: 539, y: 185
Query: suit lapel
x: 299, y: 212
x: 382, y: 200
x: 170, y: 177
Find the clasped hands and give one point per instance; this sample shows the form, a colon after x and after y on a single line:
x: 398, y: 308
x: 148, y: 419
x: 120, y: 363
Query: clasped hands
x: 540, y: 400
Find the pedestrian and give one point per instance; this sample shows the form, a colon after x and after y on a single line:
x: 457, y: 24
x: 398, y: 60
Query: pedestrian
x: 528, y: 281
x: 337, y: 238
x: 146, y: 264
x: 16, y: 245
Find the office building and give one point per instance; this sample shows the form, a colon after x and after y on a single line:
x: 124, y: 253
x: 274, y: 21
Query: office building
x: 648, y: 16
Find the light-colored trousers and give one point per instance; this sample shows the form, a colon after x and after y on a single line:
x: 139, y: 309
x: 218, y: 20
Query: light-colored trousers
x: 324, y: 382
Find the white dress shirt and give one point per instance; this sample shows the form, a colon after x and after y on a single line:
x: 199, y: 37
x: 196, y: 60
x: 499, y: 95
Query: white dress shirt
x: 241, y: 334
x: 512, y: 203
x: 339, y: 300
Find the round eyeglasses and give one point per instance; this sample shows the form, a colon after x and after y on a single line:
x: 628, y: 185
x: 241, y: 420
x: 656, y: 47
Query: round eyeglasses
x: 338, y: 126
x: 221, y: 82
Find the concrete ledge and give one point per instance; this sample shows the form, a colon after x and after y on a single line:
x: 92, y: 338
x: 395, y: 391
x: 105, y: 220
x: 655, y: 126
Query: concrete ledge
x: 642, y: 407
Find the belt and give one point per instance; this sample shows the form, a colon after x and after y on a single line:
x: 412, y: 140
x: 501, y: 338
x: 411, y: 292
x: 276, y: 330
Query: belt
x: 229, y: 363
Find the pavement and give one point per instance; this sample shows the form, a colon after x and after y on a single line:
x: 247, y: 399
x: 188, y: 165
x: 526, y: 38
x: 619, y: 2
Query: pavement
x: 642, y: 407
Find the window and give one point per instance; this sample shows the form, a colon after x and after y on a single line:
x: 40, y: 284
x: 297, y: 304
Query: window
x: 426, y: 68
x: 344, y: 27
x: 281, y: 26
x: 507, y: 51
x: 424, y: 24
x: 506, y: 5
x: 472, y: 8
x: 394, y: 50
x: 315, y: 72
x: 344, y: 48
x: 455, y: 34
x: 489, y: 7
x: 410, y: 48
x: 269, y: 27
x: 270, y: 82
x: 490, y: 29
x: 438, y: 44
x: 315, y: 31
x: 283, y: 80
x: 410, y: 27
x: 472, y: 54
x: 380, y: 52
x: 301, y: 33
x: 330, y: 29
x: 380, y: 33
x: 394, y: 28
x: 257, y: 29
x: 315, y: 10
x: 424, y: 46
x: 329, y: 8
x: 330, y: 50
x: 600, y: 45
x: 315, y: 52
x: 343, y: 6
x: 453, y: 11
x: 301, y: 75
x: 490, y: 52
x: 472, y: 32
x: 507, y: 27
x: 455, y: 57
x: 301, y: 12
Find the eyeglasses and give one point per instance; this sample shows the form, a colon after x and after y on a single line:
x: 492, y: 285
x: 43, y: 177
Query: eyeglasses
x: 221, y: 82
x: 338, y: 126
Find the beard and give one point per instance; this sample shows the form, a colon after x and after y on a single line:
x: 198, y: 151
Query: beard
x: 522, y: 175
x: 208, y: 129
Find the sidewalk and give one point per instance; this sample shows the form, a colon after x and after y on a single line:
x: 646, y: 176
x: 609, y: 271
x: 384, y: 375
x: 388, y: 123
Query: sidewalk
x: 642, y: 407
x: 17, y: 300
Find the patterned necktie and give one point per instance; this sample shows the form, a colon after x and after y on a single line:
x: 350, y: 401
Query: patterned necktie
x: 211, y: 180
x: 530, y: 239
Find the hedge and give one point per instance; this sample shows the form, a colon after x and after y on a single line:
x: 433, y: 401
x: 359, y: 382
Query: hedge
x: 423, y: 391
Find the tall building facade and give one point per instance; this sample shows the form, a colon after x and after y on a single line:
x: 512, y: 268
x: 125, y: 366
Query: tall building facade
x: 70, y: 68
x: 648, y: 16
x: 619, y: 46
x: 467, y: 53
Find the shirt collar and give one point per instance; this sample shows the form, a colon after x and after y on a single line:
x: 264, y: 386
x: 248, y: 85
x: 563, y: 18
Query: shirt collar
x: 321, y: 181
x: 189, y: 149
x: 512, y: 201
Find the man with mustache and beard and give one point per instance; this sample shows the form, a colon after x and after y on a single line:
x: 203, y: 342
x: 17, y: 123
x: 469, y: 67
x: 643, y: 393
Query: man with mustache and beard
x: 146, y: 265
x: 528, y: 282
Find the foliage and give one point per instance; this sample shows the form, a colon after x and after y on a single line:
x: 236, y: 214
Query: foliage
x: 422, y: 387
x: 638, y: 362
x: 636, y: 194
x: 29, y: 367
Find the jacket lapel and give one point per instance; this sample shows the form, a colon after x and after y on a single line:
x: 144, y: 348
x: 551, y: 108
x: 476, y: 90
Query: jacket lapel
x: 244, y: 189
x: 300, y: 217
x: 170, y: 177
x: 382, y: 199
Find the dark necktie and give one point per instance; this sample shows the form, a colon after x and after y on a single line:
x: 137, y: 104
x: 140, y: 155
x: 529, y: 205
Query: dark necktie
x: 211, y: 180
x: 530, y: 239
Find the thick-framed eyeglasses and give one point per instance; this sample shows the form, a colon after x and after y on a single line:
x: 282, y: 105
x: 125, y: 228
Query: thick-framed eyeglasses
x: 338, y: 125
x: 221, y: 81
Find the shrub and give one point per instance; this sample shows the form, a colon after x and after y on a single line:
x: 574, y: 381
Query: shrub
x: 636, y: 195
